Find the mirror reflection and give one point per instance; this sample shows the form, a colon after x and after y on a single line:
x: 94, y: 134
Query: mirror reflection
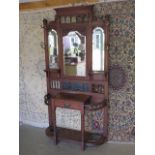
x: 74, y: 49
x: 53, y: 49
x: 98, y: 49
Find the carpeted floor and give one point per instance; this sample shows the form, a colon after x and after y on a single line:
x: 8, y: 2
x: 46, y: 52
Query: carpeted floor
x: 33, y: 141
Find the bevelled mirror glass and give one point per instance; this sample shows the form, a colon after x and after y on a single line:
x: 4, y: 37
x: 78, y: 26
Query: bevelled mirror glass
x: 53, y: 49
x: 74, y: 51
x: 98, y: 49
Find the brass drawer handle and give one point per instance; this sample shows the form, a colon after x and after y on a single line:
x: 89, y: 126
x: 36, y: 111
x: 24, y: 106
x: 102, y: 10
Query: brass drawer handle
x: 66, y: 105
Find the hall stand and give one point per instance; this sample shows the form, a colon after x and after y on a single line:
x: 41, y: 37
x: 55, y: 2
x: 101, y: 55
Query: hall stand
x: 79, y: 88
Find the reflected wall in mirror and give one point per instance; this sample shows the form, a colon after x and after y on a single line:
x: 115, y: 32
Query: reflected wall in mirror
x: 53, y: 49
x: 98, y: 49
x: 74, y: 51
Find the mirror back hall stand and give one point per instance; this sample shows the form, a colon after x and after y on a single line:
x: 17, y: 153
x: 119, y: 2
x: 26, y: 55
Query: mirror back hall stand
x: 76, y: 55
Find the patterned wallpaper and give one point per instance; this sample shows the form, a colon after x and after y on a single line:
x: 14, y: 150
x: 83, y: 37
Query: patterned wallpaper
x: 122, y: 64
x: 32, y: 63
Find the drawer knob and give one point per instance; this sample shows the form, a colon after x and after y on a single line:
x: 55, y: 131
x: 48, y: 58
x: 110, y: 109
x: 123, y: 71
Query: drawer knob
x: 66, y: 105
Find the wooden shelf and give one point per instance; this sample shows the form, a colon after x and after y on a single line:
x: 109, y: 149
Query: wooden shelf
x: 77, y: 92
x: 83, y: 81
x: 90, y: 138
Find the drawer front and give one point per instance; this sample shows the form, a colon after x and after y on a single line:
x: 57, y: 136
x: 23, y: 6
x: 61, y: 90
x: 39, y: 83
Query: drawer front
x: 68, y: 104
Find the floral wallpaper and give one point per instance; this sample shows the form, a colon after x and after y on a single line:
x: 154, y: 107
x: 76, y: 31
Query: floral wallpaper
x: 122, y: 66
x: 32, y: 63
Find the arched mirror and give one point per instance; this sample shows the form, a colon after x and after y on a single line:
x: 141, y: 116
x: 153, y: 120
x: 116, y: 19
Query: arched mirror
x: 53, y: 49
x: 98, y: 49
x: 74, y: 54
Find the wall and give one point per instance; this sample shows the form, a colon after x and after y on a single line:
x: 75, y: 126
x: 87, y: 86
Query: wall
x: 122, y: 65
x: 33, y: 81
x: 32, y: 63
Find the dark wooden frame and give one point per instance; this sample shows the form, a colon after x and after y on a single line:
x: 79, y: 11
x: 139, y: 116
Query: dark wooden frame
x: 91, y: 77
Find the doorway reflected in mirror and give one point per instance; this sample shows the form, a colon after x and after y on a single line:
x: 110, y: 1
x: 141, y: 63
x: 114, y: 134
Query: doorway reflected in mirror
x: 74, y: 49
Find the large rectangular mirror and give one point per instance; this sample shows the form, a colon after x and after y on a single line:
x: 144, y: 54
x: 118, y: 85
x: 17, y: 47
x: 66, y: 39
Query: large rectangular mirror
x: 74, y: 54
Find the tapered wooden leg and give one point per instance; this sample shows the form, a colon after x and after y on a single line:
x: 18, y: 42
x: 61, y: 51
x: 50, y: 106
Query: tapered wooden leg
x: 54, y: 124
x: 105, y: 121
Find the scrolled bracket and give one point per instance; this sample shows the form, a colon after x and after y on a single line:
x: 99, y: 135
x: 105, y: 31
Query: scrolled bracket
x: 107, y: 18
x: 44, y: 26
x: 47, y: 99
x: 96, y: 106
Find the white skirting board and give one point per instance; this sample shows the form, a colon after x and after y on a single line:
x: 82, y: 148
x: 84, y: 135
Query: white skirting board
x: 45, y: 125
x: 118, y: 142
x: 35, y: 124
